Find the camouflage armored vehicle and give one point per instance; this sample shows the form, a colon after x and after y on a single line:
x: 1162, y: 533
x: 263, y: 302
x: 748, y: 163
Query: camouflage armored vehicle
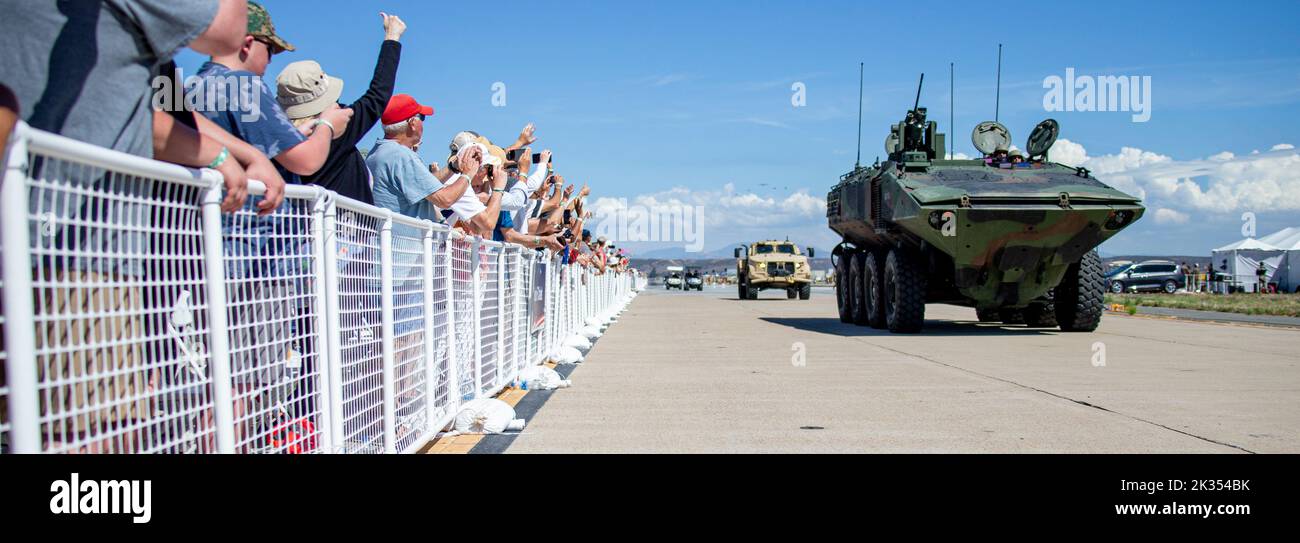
x: 773, y: 265
x: 1014, y: 238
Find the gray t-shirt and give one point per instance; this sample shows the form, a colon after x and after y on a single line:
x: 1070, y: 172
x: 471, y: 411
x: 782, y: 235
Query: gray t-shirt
x: 83, y: 68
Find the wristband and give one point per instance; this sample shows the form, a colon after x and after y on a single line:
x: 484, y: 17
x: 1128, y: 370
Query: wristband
x: 221, y: 158
x: 327, y: 124
x: 499, y: 190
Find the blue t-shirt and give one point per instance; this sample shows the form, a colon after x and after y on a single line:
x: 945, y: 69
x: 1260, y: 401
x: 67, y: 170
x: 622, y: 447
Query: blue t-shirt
x: 505, y: 221
x: 402, y: 181
x: 242, y: 104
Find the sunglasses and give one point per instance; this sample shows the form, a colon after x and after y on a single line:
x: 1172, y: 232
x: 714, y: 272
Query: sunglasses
x: 270, y: 47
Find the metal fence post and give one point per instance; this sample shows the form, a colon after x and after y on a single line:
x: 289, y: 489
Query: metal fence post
x: 453, y: 356
x: 502, y: 375
x: 20, y: 333
x: 334, y: 325
x: 476, y: 318
x: 223, y: 397
x: 323, y: 240
x: 386, y: 332
x: 430, y: 345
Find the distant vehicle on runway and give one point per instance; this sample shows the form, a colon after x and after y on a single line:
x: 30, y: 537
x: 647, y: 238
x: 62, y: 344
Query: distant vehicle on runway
x: 773, y: 265
x: 674, y: 278
x: 1146, y: 276
x: 1014, y: 238
x: 693, y: 279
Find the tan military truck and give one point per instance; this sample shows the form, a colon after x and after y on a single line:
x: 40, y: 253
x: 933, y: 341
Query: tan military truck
x: 772, y: 264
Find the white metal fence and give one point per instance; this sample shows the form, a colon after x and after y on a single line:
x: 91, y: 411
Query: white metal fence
x: 161, y: 325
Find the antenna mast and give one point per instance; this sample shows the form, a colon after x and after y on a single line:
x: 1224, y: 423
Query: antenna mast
x: 858, y: 163
x: 998, y: 105
x: 952, y: 108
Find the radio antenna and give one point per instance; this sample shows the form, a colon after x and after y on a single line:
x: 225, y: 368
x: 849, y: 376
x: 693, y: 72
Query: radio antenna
x: 952, y: 108
x: 919, y: 84
x: 858, y: 163
x: 997, y: 107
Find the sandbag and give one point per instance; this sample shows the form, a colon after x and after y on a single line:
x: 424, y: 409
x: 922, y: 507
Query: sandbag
x: 487, y: 416
x: 577, y: 341
x: 543, y: 378
x: 568, y: 355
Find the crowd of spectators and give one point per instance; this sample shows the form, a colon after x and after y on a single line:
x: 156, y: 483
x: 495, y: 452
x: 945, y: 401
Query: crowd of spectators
x: 90, y: 71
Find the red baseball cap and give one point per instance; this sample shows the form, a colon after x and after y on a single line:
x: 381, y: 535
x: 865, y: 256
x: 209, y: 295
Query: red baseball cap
x: 402, y: 107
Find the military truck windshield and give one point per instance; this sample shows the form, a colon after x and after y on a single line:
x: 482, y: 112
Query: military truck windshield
x: 769, y: 249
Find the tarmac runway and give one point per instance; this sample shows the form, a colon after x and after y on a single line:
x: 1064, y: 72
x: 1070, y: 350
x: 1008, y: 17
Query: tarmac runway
x: 704, y: 372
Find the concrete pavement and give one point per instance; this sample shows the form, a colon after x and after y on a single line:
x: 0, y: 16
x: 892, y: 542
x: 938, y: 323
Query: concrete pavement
x: 705, y: 372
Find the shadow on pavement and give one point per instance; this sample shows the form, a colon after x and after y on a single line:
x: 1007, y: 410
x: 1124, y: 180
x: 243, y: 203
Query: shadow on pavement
x: 940, y: 328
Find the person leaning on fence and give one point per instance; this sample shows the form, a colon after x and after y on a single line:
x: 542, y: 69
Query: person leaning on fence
x: 83, y: 71
x: 305, y: 92
x: 404, y: 184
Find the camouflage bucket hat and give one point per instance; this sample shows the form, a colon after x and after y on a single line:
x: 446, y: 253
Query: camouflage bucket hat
x: 260, y: 26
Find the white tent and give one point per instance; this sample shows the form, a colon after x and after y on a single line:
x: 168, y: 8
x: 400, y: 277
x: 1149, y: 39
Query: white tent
x: 1240, y: 260
x: 1288, y: 240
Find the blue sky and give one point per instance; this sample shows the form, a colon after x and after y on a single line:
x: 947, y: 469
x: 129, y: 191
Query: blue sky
x: 640, y: 99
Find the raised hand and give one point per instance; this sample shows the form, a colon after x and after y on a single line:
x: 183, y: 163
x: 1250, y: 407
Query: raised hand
x: 394, y: 27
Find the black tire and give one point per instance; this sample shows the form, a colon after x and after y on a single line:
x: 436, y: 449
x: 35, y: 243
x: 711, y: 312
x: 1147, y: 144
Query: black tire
x: 857, y: 305
x: 1170, y: 286
x: 805, y: 291
x: 740, y: 291
x: 873, y: 284
x: 790, y: 293
x: 842, y: 288
x: 987, y: 315
x: 1011, y: 316
x: 904, y: 293
x: 751, y: 292
x: 1117, y: 287
x: 1080, y: 298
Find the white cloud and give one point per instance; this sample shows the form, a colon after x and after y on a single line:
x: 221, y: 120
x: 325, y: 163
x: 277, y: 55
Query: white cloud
x: 1169, y: 216
x: 1221, y: 183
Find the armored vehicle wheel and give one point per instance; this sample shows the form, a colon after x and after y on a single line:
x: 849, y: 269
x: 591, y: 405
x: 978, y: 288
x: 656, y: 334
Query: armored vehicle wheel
x: 873, y: 282
x: 740, y: 290
x: 1080, y: 298
x: 987, y: 315
x: 1011, y: 316
x: 805, y: 291
x: 904, y: 293
x: 790, y: 294
x: 857, y: 301
x: 751, y: 292
x: 842, y: 288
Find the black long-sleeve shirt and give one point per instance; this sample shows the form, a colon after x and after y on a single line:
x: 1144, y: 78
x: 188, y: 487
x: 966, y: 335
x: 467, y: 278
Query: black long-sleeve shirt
x: 345, y: 170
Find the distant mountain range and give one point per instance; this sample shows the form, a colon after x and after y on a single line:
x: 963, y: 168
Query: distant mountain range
x: 679, y: 253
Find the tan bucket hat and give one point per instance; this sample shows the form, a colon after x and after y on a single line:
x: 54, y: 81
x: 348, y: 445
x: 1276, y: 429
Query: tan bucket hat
x: 303, y: 89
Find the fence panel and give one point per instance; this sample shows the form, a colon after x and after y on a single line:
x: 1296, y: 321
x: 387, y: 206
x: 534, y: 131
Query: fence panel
x: 443, y: 401
x: 360, y: 318
x: 489, y: 329
x: 464, y: 317
x: 276, y: 361
x: 119, y: 306
x: 409, y: 342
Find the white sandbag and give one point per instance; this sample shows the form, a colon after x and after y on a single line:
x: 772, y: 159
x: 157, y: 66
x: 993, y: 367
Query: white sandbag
x: 578, y: 342
x: 594, y: 321
x: 543, y: 378
x: 591, y: 332
x: 487, y: 416
x: 568, y: 355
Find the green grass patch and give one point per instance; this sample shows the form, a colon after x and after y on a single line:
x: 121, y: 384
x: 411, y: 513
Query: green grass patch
x: 1286, y: 305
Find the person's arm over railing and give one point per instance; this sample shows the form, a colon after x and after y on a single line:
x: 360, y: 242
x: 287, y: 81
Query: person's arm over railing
x: 255, y: 164
x: 179, y: 144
